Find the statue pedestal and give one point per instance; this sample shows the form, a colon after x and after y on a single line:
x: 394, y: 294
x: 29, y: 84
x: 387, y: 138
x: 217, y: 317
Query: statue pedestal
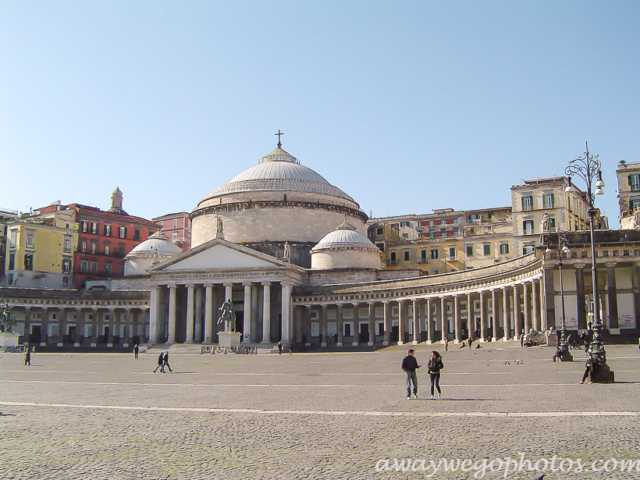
x: 9, y: 339
x: 229, y: 339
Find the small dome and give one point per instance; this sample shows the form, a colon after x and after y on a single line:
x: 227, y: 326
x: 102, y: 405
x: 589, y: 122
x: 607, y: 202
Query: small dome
x: 279, y: 171
x: 158, y: 242
x: 344, y: 237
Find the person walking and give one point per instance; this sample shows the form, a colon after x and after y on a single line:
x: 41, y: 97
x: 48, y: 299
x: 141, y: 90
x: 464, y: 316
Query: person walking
x: 409, y: 367
x: 290, y: 348
x: 27, y: 356
x: 446, y: 344
x: 136, y: 349
x: 160, y: 364
x: 279, y: 348
x: 434, y: 366
x: 166, y: 361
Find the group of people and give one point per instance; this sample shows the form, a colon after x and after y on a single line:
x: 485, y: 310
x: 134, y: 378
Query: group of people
x: 410, y: 365
x: 163, y: 361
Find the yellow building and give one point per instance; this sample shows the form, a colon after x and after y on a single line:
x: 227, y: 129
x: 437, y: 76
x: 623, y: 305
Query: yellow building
x: 39, y: 253
x: 530, y: 201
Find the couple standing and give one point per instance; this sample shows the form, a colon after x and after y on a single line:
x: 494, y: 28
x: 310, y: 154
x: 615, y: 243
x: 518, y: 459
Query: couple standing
x: 410, y: 365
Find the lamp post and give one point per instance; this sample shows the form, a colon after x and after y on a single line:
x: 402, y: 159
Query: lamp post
x: 562, y: 350
x: 589, y: 168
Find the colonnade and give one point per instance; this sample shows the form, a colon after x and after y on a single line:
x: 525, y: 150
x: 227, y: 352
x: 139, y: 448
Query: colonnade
x: 495, y: 313
x: 188, y: 312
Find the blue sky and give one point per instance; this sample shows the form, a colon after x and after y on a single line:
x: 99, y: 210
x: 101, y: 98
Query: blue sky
x: 407, y: 106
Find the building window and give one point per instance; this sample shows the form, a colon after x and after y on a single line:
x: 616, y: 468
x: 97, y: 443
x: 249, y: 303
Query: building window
x: 393, y: 258
x: 634, y: 182
x: 175, y: 223
x: 31, y: 239
x: 487, y: 249
x: 423, y: 255
x: 380, y: 246
x: 634, y: 204
x: 504, y: 248
x: 66, y: 266
x: 528, y: 249
x: 121, y: 249
x: 84, y: 266
x: 107, y: 230
x: 548, y: 200
x: 65, y: 281
x: 474, y: 217
x: 67, y: 245
x: 94, y: 228
x: 10, y: 279
x: 452, y: 253
x: 434, y: 253
x: 12, y: 261
x: 94, y: 247
x: 107, y: 269
x: 84, y: 226
x: 28, y: 261
x: 136, y: 234
x: 527, y: 227
x: 83, y: 246
x: 469, y: 250
x: 552, y: 223
x: 406, y: 256
x: 13, y: 239
x: 527, y: 203
x: 123, y: 232
x: 380, y: 231
x: 107, y: 248
x: 94, y: 267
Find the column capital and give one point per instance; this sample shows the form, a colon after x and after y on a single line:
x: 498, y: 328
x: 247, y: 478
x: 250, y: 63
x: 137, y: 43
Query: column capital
x: 172, y: 285
x: 610, y: 264
x: 246, y: 284
x: 579, y: 266
x: 208, y: 285
x: 228, y: 284
x: 265, y: 284
x: 190, y: 285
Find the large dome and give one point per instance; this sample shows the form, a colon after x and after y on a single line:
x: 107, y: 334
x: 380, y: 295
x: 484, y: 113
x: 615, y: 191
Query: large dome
x: 345, y: 247
x: 279, y: 171
x: 158, y: 242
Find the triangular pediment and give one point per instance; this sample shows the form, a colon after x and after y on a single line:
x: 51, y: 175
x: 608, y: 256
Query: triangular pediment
x: 219, y: 254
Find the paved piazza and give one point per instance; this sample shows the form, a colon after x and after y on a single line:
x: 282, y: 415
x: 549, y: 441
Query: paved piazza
x: 313, y: 415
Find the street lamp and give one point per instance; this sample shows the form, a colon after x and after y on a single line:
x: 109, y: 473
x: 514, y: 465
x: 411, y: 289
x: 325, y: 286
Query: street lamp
x: 562, y: 350
x: 589, y: 168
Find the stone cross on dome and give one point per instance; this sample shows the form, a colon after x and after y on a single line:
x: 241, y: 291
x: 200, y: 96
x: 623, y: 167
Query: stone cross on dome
x: 279, y: 134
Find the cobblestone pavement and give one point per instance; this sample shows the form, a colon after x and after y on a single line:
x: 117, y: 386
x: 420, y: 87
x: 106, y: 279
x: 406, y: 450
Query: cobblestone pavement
x: 333, y: 415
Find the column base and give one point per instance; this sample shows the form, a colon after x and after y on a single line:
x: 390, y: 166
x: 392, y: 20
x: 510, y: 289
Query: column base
x: 415, y: 342
x: 370, y: 344
x: 323, y: 344
x: 339, y: 344
x: 428, y: 342
x: 400, y: 342
x: 189, y: 342
x: 93, y: 344
x: 354, y: 344
x: 76, y: 344
x: 384, y: 344
x: 494, y: 339
x: 265, y: 342
x: 308, y: 344
x: 125, y: 344
x: 505, y: 339
x: 43, y: 344
x: 59, y: 344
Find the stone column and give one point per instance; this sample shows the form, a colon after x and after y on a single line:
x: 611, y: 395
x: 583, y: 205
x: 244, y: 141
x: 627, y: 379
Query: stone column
x: 494, y: 314
x: 483, y: 316
x: 198, y: 330
x: 527, y: 307
x: 430, y: 322
x: 444, y: 325
x: 372, y: 323
x: 612, y: 296
x: 62, y: 323
x: 387, y: 321
x: 416, y: 322
x: 112, y: 325
x: 208, y: 314
x: 517, y: 315
x: 255, y: 318
x: 536, y: 305
x: 340, y: 324
x: 635, y: 283
x: 154, y: 313
x: 401, y: 323
x: 190, y: 313
x: 171, y: 335
x: 581, y: 299
x: 94, y: 326
x: 356, y: 324
x: 266, y: 313
x: 27, y: 324
x: 228, y: 291
x: 246, y: 317
x: 457, y: 319
x: 323, y: 325
x: 505, y: 312
x: 286, y: 313
x: 471, y: 322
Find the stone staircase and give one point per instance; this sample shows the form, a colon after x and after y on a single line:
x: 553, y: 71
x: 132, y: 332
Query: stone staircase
x: 196, y: 349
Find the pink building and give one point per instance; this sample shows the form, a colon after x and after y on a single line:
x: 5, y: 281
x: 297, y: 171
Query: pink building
x: 177, y: 228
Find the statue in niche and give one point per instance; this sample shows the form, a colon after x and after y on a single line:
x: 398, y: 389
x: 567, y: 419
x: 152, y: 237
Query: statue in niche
x: 287, y: 251
x: 219, y: 225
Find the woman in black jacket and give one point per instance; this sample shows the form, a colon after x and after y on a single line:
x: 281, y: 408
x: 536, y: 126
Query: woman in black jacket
x: 435, y: 365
